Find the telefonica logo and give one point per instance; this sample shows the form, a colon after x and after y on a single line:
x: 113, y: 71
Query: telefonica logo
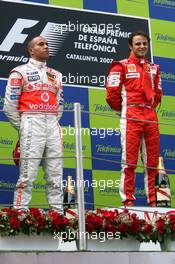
x: 168, y: 76
x: 139, y: 191
x: 6, y: 141
x: 138, y: 1
x: 165, y: 37
x: 167, y: 114
x: 1, y: 99
x: 71, y: 146
x: 108, y: 149
x: 168, y: 153
x: 102, y: 108
x: 109, y: 191
x: 38, y: 185
x: 169, y: 3
x: 8, y: 185
x: 70, y: 106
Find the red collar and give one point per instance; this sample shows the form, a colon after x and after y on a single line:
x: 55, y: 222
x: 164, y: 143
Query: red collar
x: 136, y: 60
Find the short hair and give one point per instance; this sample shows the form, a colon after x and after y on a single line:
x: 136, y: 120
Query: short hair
x: 138, y: 33
x: 30, y: 43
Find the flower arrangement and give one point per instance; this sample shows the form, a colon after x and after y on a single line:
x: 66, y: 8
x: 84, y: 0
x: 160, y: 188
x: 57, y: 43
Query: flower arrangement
x: 33, y: 221
x: 164, y: 227
x: 123, y: 223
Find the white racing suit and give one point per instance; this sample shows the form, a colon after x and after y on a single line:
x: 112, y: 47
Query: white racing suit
x: 34, y: 105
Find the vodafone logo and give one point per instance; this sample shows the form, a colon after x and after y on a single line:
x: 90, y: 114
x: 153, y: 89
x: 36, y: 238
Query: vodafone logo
x: 44, y: 107
x: 45, y: 97
x: 15, y: 82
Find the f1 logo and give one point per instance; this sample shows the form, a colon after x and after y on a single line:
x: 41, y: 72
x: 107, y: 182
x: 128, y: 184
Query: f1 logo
x: 52, y: 31
x: 15, y: 34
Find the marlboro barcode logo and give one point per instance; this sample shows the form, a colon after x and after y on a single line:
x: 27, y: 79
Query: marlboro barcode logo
x: 163, y: 194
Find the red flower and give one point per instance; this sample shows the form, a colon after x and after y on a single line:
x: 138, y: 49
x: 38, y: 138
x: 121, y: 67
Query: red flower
x: 171, y: 218
x: 96, y: 220
x: 15, y: 223
x: 109, y: 214
x: 58, y: 221
x: 123, y: 227
x: 134, y: 216
x: 147, y: 228
x: 10, y: 212
x: 135, y: 226
x: 40, y: 222
x: 35, y: 212
x: 161, y: 225
x: 110, y: 228
x: 89, y: 227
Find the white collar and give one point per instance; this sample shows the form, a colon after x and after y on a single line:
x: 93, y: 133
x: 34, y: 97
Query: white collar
x: 38, y: 64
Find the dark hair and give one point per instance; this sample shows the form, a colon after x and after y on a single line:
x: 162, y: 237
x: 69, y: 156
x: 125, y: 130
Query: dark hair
x: 138, y: 33
x: 30, y: 44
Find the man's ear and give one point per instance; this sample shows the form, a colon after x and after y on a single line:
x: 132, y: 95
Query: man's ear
x: 130, y: 47
x: 30, y: 51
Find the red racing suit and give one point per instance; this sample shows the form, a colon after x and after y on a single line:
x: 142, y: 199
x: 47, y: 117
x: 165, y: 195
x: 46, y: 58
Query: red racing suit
x: 34, y: 104
x: 134, y: 89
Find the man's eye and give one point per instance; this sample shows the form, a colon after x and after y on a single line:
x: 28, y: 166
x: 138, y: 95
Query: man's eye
x: 41, y: 44
x: 139, y: 43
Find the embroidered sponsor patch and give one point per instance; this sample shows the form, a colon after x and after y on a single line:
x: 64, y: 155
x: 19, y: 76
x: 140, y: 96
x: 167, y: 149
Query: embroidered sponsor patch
x: 147, y: 68
x: 15, y: 90
x: 132, y: 75
x: 33, y: 78
x: 32, y: 72
x: 61, y: 101
x: 14, y: 97
x: 153, y: 69
x: 40, y: 86
x: 30, y: 87
x: 16, y: 82
x: 51, y: 77
x: 114, y: 79
x: 131, y: 68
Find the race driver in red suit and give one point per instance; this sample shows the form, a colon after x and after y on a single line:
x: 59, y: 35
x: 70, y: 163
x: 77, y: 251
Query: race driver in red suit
x: 134, y: 90
x: 34, y: 104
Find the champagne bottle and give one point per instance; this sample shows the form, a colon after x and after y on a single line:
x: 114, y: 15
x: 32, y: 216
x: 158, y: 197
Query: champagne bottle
x: 69, y: 195
x: 162, y: 186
